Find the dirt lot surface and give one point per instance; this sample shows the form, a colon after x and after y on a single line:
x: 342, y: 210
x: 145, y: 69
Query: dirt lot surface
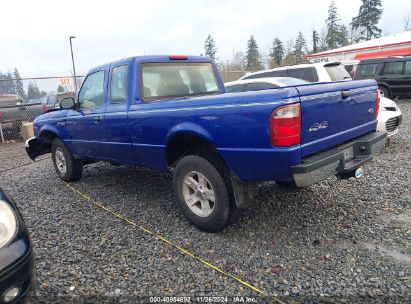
x: 337, y: 241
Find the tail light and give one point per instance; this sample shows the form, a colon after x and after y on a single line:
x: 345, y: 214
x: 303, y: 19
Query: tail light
x: 178, y: 57
x: 377, y: 104
x: 285, y: 126
x: 45, y: 108
x: 1, y: 116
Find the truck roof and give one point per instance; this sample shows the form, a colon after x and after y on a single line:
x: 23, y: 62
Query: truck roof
x: 154, y: 58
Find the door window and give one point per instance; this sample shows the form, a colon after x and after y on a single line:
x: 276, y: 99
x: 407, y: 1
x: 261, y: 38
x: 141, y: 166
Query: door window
x: 277, y: 73
x: 368, y: 69
x: 309, y: 74
x: 234, y: 88
x: 92, y: 91
x: 407, y: 70
x: 118, y: 86
x: 256, y: 86
x: 393, y: 67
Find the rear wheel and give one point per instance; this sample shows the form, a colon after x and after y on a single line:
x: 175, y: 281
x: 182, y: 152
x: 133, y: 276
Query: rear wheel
x: 67, y: 168
x: 204, y: 192
x: 384, y: 92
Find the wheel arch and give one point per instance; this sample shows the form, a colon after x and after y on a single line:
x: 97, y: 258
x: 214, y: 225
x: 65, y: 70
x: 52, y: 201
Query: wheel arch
x: 48, y: 133
x: 385, y: 86
x: 186, y: 142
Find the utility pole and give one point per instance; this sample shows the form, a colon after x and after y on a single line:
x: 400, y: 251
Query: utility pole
x: 74, y: 68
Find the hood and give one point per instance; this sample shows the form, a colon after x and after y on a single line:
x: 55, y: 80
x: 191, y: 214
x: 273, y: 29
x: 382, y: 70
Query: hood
x: 51, y: 114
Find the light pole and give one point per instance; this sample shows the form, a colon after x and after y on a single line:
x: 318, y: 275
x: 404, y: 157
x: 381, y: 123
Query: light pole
x: 74, y: 68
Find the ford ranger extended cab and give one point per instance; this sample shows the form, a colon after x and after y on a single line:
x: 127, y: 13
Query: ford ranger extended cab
x: 172, y: 113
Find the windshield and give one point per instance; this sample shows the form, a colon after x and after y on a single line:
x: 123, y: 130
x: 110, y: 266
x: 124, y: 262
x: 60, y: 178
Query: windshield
x: 170, y: 80
x: 337, y: 72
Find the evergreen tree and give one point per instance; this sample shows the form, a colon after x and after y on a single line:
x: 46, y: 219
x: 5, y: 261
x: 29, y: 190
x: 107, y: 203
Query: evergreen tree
x: 18, y: 84
x: 367, y: 20
x: 253, y: 55
x: 60, y: 89
x: 33, y: 91
x: 343, y: 36
x: 333, y: 28
x: 277, y: 52
x: 299, y: 48
x: 316, y: 40
x: 7, y: 84
x: 210, y: 48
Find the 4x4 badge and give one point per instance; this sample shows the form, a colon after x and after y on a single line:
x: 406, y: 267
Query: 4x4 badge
x: 318, y: 125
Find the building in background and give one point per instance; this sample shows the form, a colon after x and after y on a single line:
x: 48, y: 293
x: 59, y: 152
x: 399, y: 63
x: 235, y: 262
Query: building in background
x: 388, y: 46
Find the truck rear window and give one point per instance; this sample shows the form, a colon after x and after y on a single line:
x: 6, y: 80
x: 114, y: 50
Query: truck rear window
x: 171, y: 80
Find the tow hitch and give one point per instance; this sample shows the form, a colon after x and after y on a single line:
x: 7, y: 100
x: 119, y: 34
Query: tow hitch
x: 358, y: 173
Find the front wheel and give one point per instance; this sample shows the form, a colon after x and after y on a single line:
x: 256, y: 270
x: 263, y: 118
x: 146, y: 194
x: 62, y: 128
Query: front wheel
x: 67, y: 168
x: 204, y: 193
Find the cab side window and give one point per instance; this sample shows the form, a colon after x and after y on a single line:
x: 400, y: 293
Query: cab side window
x: 91, y: 94
x: 118, y: 85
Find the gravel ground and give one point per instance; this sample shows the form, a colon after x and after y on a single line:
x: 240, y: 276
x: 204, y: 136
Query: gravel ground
x: 337, y: 241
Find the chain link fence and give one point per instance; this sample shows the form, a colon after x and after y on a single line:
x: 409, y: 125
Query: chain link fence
x: 23, y: 99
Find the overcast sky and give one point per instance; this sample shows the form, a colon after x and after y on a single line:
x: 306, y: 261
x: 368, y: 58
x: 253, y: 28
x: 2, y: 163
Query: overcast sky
x: 34, y: 34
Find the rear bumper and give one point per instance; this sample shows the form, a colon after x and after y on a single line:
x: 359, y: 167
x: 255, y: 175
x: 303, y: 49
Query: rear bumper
x: 36, y: 147
x: 344, y: 158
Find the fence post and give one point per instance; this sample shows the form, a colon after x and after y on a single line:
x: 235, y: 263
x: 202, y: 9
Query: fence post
x: 1, y: 133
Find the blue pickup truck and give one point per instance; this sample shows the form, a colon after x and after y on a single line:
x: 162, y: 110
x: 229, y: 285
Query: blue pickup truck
x: 172, y: 113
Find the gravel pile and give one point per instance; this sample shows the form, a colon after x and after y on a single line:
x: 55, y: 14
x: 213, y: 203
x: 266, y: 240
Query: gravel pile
x: 337, y: 241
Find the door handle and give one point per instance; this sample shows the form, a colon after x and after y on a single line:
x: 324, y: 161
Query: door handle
x: 97, y: 118
x: 346, y: 94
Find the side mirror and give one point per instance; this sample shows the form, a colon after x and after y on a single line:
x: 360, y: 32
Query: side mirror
x: 67, y: 103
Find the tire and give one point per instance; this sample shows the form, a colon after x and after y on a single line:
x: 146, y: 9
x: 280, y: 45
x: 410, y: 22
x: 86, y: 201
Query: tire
x: 384, y: 92
x: 67, y: 168
x: 212, y: 181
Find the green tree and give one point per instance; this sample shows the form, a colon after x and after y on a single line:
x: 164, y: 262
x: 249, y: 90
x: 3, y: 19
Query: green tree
x: 333, y: 28
x: 299, y: 48
x: 210, y: 48
x: 253, y: 58
x: 7, y: 84
x: 33, y: 91
x: 277, y: 52
x: 367, y: 20
x: 60, y: 89
x: 18, y: 84
x: 343, y: 36
x: 316, y: 40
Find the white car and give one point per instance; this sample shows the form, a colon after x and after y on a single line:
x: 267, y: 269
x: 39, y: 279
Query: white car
x: 389, y: 116
x: 261, y: 84
x: 312, y: 72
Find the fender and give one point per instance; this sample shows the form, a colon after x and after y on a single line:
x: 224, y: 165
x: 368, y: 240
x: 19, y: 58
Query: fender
x: 48, y: 128
x: 36, y: 146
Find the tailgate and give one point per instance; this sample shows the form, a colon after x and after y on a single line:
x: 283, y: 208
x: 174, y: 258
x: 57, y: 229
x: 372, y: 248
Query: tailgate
x: 333, y: 113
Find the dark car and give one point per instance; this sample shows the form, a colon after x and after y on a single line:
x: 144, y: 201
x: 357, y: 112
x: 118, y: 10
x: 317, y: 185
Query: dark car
x: 392, y: 74
x: 16, y: 253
